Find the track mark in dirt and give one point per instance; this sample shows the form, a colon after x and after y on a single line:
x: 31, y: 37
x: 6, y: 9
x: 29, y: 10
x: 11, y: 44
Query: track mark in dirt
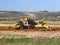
x: 30, y: 34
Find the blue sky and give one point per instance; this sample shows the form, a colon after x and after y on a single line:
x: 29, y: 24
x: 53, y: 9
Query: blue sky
x: 30, y: 5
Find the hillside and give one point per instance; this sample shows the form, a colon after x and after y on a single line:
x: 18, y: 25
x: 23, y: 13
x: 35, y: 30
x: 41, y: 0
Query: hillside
x: 45, y: 15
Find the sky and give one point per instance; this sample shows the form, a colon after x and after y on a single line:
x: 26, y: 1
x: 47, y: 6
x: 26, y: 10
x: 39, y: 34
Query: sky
x: 30, y: 5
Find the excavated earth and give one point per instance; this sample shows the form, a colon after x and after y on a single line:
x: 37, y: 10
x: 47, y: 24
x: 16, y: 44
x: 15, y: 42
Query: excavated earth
x: 8, y: 31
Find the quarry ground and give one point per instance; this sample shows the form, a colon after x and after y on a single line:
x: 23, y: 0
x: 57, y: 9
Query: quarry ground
x: 29, y: 34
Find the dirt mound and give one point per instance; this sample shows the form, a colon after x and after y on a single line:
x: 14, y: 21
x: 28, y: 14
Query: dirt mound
x: 12, y: 28
x: 55, y: 28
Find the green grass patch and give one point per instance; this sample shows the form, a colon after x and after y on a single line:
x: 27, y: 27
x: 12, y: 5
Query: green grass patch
x: 28, y: 41
x: 13, y: 22
x: 7, y: 22
x: 54, y: 24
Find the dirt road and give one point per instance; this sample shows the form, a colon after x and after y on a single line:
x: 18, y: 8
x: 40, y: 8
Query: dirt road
x: 6, y: 24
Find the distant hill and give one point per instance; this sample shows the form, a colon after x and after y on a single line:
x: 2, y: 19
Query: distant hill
x: 45, y: 15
